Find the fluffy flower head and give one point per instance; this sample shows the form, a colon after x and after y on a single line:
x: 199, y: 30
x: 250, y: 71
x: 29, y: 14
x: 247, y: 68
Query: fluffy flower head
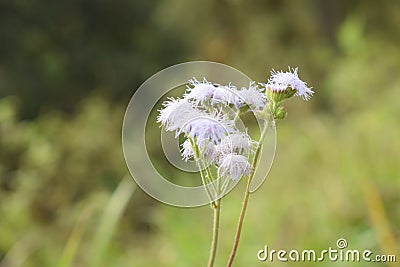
x: 227, y: 95
x: 199, y: 92
x: 253, y: 96
x: 187, y: 150
x: 234, y: 166
x: 206, y: 150
x: 207, y: 128
x: 176, y: 113
x: 237, y: 142
x: 281, y: 81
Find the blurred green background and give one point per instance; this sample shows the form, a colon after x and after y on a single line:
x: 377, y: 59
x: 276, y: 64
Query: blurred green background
x: 69, y: 68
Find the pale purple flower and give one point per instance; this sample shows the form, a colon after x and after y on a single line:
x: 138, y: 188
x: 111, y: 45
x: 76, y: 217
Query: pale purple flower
x: 176, y: 113
x: 187, y: 150
x: 253, y: 96
x: 227, y: 95
x: 199, y: 92
x: 207, y: 127
x: 206, y: 150
x: 237, y: 142
x: 235, y: 166
x: 280, y: 81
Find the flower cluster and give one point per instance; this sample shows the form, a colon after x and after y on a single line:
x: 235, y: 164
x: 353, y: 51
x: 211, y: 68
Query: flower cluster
x: 207, y: 93
x: 207, y: 112
x: 204, y: 116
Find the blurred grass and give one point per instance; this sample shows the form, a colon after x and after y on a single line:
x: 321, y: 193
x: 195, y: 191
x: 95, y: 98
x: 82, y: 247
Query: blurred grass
x: 112, y: 213
x: 336, y: 172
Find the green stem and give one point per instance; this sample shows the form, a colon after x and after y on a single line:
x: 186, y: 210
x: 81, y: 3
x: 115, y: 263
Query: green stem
x: 240, y: 224
x: 214, y: 242
x: 217, y: 211
x: 237, y: 116
x: 216, y: 205
x: 210, y: 178
x: 207, y: 178
x: 204, y: 180
x: 246, y: 196
x: 200, y: 164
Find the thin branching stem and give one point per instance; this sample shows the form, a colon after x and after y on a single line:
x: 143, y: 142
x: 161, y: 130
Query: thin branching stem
x: 214, y: 242
x: 207, y: 179
x: 246, y: 196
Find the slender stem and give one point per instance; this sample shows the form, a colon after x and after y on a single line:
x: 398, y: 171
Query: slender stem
x: 213, y: 204
x: 225, y: 185
x: 215, y: 233
x: 240, y: 224
x: 217, y: 211
x: 214, y: 242
x: 246, y: 197
x: 237, y: 116
x: 210, y: 177
x: 203, y: 175
x: 207, y: 178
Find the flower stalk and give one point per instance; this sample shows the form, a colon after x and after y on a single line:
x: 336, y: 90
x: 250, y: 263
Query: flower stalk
x: 207, y: 116
x: 215, y: 233
x: 247, y: 195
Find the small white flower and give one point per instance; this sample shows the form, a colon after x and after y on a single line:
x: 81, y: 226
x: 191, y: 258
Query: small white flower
x: 253, y: 96
x: 187, y: 150
x: 237, y: 142
x: 206, y: 150
x: 200, y: 91
x: 227, y: 95
x: 280, y: 81
x: 176, y: 113
x: 234, y: 166
x: 207, y: 127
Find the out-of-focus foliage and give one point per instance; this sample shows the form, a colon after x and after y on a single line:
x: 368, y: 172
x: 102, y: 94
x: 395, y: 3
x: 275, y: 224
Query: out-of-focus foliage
x: 71, y: 66
x: 54, y: 53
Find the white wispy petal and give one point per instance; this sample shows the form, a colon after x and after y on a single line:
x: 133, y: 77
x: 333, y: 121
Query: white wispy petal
x: 235, y: 166
x: 208, y: 127
x: 176, y: 113
x: 199, y: 92
x: 206, y: 149
x: 227, y: 95
x: 280, y: 81
x: 187, y: 150
x: 253, y: 96
x: 237, y: 142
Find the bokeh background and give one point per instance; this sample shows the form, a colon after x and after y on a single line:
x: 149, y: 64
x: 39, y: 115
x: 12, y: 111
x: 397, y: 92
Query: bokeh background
x: 69, y: 68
